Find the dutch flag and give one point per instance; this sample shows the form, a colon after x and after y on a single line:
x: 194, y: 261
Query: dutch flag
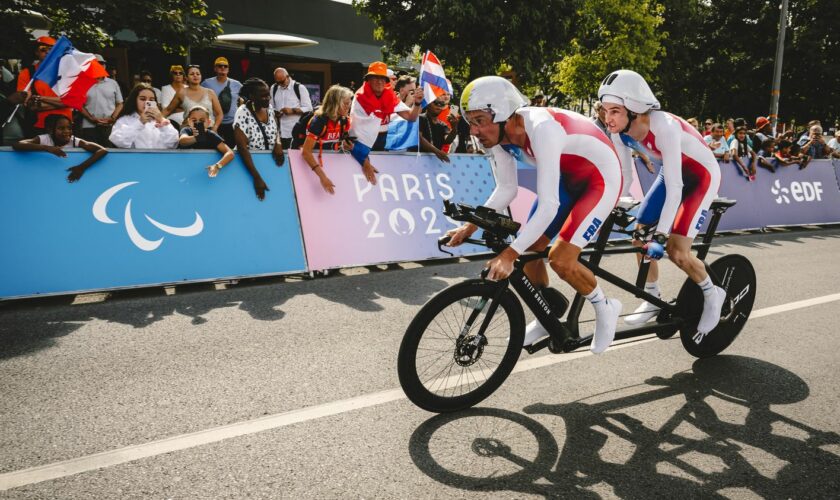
x: 432, y: 78
x: 69, y: 72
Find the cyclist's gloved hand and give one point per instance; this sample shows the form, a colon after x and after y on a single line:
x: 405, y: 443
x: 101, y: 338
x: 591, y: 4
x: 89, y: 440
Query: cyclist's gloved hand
x: 655, y: 248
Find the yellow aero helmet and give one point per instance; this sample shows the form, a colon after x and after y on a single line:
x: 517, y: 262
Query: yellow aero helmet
x: 494, y: 94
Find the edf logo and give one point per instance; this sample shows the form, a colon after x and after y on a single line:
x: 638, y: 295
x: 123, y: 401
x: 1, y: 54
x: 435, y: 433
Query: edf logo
x: 799, y: 191
x: 702, y: 219
x: 596, y: 223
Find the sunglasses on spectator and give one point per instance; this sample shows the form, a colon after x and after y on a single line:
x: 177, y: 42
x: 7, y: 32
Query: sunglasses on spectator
x: 146, y: 80
x: 439, y: 103
x: 221, y: 65
x: 44, y: 48
x: 177, y: 72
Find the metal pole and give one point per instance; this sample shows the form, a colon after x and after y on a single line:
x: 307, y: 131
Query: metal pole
x: 777, y: 69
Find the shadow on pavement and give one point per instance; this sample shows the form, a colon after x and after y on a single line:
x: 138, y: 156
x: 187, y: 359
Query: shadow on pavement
x: 697, y: 452
x: 33, y: 324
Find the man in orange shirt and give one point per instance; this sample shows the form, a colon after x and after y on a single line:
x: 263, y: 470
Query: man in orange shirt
x: 41, y: 101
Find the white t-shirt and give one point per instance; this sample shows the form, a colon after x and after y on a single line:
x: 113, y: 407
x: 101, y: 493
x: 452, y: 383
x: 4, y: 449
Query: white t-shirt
x: 286, y: 98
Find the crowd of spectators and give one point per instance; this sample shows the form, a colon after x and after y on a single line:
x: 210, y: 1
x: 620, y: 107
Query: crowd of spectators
x: 747, y: 148
x: 220, y: 113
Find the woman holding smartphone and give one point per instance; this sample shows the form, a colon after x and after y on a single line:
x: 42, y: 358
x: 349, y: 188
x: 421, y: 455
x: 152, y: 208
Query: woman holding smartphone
x: 141, y: 125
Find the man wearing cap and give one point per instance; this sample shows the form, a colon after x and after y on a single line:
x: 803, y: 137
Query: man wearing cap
x: 42, y: 101
x: 104, y: 102
x: 289, y: 100
x: 227, y: 90
x: 763, y: 129
x: 371, y: 112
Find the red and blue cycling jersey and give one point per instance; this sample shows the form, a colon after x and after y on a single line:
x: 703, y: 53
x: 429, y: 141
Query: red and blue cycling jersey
x: 689, y: 176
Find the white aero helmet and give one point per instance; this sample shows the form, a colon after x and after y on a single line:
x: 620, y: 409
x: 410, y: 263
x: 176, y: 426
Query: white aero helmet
x: 494, y: 94
x: 630, y: 89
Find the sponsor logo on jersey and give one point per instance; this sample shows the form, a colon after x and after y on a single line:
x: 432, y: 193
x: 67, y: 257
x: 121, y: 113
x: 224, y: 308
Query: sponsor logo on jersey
x: 590, y: 231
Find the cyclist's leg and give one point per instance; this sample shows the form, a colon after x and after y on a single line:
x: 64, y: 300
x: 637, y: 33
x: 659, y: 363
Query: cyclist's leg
x: 588, y: 213
x: 692, y: 213
x: 649, y: 212
x: 535, y: 270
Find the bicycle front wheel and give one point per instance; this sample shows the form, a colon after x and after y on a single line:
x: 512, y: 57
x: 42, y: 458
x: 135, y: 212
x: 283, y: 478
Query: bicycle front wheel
x: 444, y: 364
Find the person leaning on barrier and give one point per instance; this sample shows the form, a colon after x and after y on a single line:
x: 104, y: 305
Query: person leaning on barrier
x: 435, y: 134
x: 255, y: 128
x: 141, y: 125
x: 328, y: 127
x: 198, y: 135
x: 59, y: 137
x: 717, y: 143
x: 740, y: 147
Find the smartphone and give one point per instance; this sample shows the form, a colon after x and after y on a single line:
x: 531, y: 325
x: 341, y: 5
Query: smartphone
x: 149, y: 105
x: 199, y: 126
x: 453, y: 109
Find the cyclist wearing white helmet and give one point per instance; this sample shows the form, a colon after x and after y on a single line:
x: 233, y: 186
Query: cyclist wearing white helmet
x: 578, y: 183
x: 679, y: 199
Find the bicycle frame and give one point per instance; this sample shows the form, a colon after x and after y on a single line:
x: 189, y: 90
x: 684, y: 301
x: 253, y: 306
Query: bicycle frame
x: 565, y: 335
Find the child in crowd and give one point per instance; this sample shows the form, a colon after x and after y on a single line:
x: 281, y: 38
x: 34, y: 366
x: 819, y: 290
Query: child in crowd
x: 739, y: 149
x: 59, y: 137
x: 785, y: 156
x: 198, y: 134
x: 765, y: 156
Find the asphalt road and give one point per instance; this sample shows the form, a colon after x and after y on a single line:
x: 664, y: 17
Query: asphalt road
x: 287, y: 388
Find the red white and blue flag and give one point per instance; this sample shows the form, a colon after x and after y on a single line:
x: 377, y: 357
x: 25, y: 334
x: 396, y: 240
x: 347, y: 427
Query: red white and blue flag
x: 69, y: 72
x: 432, y: 78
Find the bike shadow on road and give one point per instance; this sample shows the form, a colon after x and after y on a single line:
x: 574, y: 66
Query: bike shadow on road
x: 35, y: 324
x: 617, y: 447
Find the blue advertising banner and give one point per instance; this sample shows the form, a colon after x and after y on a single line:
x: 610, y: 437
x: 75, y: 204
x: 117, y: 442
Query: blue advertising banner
x: 788, y: 197
x: 141, y: 218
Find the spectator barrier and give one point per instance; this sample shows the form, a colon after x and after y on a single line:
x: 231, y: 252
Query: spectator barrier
x: 786, y: 198
x: 398, y: 219
x: 139, y: 219
x: 150, y: 218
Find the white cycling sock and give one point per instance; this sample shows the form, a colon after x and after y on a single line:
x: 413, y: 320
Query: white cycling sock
x: 712, y: 304
x: 707, y: 286
x: 606, y: 319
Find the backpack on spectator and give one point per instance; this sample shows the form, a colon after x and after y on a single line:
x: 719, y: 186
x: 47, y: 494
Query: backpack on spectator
x: 225, y: 98
x: 295, y: 87
x: 299, y: 128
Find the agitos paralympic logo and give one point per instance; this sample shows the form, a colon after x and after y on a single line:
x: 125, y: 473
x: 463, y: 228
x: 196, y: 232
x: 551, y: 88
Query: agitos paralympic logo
x: 100, y: 207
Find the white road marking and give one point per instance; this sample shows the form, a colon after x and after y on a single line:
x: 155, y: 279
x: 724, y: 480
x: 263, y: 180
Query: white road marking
x: 185, y: 441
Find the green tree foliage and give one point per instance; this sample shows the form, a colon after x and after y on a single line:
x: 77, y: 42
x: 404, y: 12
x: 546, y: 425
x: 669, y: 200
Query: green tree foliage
x: 721, y: 55
x: 173, y: 25
x: 475, y: 37
x: 609, y: 34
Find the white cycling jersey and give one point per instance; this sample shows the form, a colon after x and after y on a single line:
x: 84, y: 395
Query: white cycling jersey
x: 571, y: 155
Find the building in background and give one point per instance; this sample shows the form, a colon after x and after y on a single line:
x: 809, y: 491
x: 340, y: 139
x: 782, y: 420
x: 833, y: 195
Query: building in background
x: 345, y: 44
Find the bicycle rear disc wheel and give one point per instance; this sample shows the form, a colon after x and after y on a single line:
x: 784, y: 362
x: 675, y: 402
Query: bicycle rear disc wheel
x: 738, y: 279
x: 444, y: 369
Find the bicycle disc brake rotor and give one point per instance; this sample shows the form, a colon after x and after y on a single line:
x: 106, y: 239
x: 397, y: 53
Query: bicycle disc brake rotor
x: 468, y: 349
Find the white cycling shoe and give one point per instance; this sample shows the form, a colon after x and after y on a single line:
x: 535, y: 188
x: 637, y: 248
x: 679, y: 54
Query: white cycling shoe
x: 711, y: 310
x: 534, y: 332
x: 644, y: 313
x: 605, y: 325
